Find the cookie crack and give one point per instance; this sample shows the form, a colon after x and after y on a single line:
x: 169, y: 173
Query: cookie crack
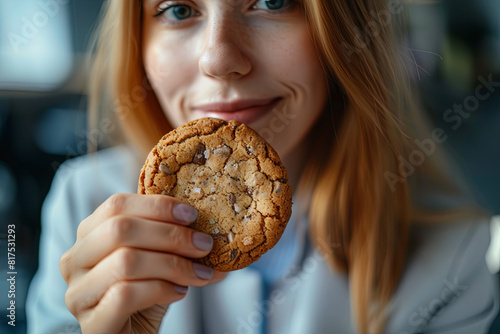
x: 252, y: 249
x: 275, y: 163
x: 267, y: 216
x: 198, y: 134
x: 234, y: 259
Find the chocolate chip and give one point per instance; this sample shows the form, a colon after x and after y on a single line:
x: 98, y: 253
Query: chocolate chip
x: 232, y: 198
x: 234, y: 252
x: 249, y: 149
x: 199, y: 155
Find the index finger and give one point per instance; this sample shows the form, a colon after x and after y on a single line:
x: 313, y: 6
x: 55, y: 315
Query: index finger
x: 153, y: 207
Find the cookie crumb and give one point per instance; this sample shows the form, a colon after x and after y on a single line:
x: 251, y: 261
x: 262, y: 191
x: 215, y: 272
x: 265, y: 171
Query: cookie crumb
x: 237, y: 208
x: 223, y: 151
x: 248, y: 240
x: 164, y: 169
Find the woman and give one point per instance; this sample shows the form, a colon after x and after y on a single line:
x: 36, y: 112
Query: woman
x: 396, y: 244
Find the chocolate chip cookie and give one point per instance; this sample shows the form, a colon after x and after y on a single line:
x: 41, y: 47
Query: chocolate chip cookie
x: 233, y: 177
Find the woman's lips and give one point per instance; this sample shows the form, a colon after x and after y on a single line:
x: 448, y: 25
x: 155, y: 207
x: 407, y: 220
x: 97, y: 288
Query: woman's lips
x: 243, y: 111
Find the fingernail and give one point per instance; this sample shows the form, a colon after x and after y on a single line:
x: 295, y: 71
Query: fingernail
x: 181, y: 289
x: 203, y: 271
x: 185, y: 213
x: 203, y: 241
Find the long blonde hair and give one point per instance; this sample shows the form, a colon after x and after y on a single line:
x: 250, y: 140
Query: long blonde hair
x: 359, y: 202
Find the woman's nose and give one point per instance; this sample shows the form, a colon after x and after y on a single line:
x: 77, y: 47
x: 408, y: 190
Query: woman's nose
x: 222, y: 56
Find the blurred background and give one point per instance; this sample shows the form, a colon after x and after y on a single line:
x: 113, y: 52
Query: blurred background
x: 454, y: 46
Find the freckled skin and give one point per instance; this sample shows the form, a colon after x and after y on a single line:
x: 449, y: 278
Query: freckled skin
x: 231, y: 51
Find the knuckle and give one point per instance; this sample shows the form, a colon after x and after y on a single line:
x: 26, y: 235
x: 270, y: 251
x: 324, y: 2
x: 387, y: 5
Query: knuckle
x: 122, y: 292
x: 83, y: 228
x: 64, y: 263
x: 116, y: 203
x: 175, y: 236
x: 160, y: 205
x: 74, y: 304
x: 127, y: 261
x: 175, y: 263
x: 79, y: 232
x: 120, y: 229
x: 69, y: 300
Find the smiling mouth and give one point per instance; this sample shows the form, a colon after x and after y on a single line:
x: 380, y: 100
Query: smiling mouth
x: 243, y: 111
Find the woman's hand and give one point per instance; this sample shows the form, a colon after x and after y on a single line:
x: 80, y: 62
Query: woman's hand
x: 129, y: 263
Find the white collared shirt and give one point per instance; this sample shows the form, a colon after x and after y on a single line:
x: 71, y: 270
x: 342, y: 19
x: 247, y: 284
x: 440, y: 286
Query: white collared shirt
x: 446, y: 286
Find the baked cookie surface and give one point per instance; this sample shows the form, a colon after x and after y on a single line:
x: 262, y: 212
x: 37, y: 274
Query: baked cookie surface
x: 233, y: 177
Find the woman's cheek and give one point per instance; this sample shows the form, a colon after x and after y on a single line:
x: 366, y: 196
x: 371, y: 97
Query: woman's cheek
x: 161, y: 65
x: 170, y: 72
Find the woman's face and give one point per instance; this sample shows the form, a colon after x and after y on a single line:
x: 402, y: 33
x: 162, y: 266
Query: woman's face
x: 247, y: 60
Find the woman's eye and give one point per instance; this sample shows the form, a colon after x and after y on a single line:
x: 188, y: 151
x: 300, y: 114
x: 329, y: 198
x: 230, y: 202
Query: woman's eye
x: 272, y: 4
x: 176, y: 12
